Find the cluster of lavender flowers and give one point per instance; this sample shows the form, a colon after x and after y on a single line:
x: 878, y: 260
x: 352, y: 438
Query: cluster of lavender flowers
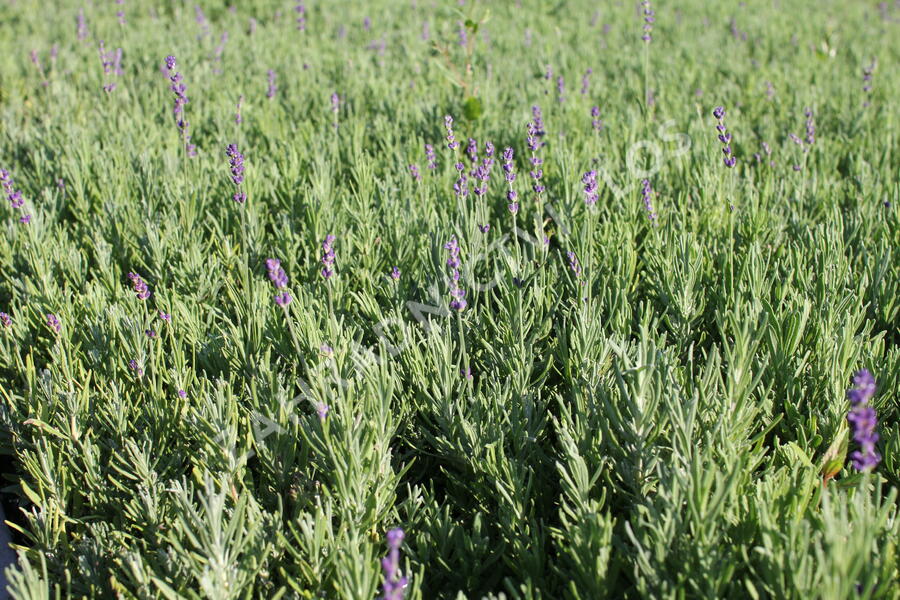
x: 586, y: 82
x: 863, y: 421
x: 328, y: 256
x: 430, y: 157
x: 141, y: 290
x: 112, y: 66
x: 511, y: 195
x: 179, y: 89
x: 53, y: 322
x: 647, y: 193
x: 237, y: 171
x: 414, y: 171
x: 14, y: 196
x: 5, y: 320
x: 724, y: 137
x: 649, y: 19
x: 534, y: 144
x: 393, y: 583
x: 458, y: 294
x: 279, y: 279
x: 589, y: 179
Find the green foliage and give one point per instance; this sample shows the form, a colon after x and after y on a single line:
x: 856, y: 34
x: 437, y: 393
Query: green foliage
x: 670, y: 422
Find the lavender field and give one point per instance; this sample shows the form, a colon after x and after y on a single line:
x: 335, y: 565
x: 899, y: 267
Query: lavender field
x: 458, y: 299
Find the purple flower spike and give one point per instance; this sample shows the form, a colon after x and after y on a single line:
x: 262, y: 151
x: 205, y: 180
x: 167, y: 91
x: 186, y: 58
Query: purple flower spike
x: 282, y: 299
x: 237, y: 171
x: 393, y: 583
x: 5, y: 319
x: 574, y: 264
x: 414, y: 171
x: 270, y: 92
x: 180, y: 90
x: 728, y: 160
x: 276, y: 274
x: 589, y: 180
x: 458, y: 294
x: 53, y: 322
x: 867, y: 81
x: 136, y: 367
x: 863, y: 421
x: 395, y: 273
x: 328, y: 256
x: 430, y: 157
x: 165, y: 317
x: 810, y: 128
x: 647, y: 193
x: 182, y: 394
x: 586, y: 82
x: 140, y: 286
x: 452, y: 144
x: 484, y: 228
x: 596, y: 123
x: 649, y: 19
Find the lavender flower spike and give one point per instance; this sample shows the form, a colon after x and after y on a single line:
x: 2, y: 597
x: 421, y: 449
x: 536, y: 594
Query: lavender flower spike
x: 863, y: 420
x: 393, y: 583
x: 724, y: 137
x: 237, y: 171
x: 140, y: 286
x: 5, y: 319
x: 430, y: 157
x: 649, y: 19
x: 452, y: 144
x: 270, y: 93
x: 53, y: 322
x: 276, y: 273
x: 456, y: 292
x: 328, y: 256
x: 589, y: 180
x: 647, y: 193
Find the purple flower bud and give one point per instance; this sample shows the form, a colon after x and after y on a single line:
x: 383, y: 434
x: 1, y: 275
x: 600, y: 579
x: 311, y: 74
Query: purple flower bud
x: 430, y: 156
x: 282, y: 299
x: 484, y: 228
x: 53, y: 322
x: 5, y: 319
x: 322, y: 410
x: 395, y: 273
x: 182, y: 394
